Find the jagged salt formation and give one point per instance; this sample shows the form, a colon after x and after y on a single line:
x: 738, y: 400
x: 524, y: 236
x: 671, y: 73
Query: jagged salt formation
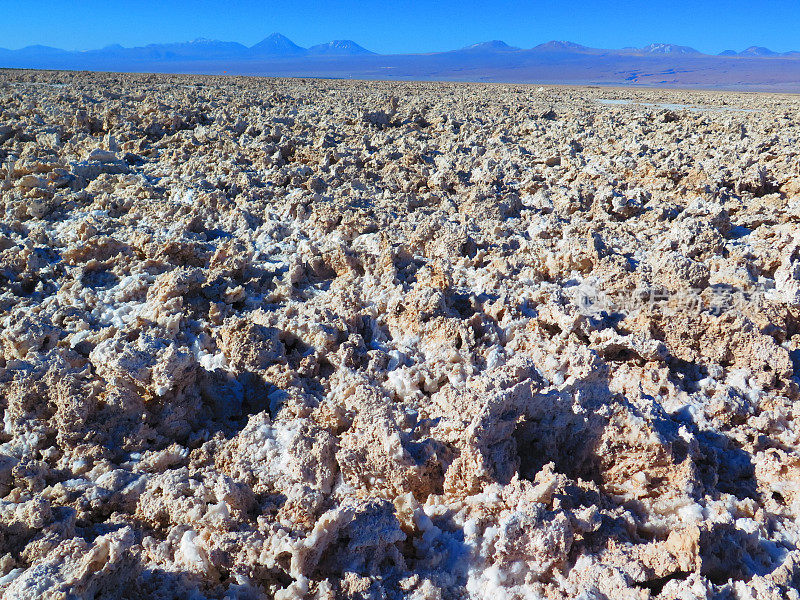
x: 324, y: 339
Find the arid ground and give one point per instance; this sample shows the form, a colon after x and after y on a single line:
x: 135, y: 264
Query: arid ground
x: 267, y: 338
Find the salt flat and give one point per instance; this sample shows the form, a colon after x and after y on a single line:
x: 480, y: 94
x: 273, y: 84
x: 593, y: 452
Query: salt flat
x: 336, y: 339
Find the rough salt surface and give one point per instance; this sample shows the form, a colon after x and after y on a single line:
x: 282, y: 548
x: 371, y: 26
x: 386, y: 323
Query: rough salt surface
x: 324, y: 339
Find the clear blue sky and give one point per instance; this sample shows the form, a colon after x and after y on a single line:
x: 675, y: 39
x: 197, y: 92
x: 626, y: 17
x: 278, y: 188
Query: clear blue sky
x: 404, y: 26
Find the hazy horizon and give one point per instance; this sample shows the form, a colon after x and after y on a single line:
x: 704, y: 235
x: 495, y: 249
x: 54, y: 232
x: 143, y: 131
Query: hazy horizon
x: 476, y: 42
x: 402, y: 27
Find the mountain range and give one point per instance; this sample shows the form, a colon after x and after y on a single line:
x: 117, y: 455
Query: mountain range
x: 273, y: 46
x: 661, y: 64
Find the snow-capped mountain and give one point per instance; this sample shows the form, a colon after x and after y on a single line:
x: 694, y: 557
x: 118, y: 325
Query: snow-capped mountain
x: 668, y: 49
x: 490, y: 46
x: 561, y: 46
x: 339, y: 48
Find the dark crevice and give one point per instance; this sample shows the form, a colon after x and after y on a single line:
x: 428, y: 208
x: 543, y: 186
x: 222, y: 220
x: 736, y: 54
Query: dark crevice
x: 657, y: 585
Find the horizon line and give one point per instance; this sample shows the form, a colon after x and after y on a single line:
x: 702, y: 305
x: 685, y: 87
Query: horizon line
x: 777, y: 53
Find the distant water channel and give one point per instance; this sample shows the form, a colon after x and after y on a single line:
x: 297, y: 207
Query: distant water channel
x: 668, y: 106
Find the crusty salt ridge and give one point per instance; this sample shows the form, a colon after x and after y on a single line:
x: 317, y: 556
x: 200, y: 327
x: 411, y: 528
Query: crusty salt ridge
x: 328, y: 339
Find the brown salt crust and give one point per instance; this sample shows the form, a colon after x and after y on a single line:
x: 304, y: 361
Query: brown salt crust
x: 331, y: 339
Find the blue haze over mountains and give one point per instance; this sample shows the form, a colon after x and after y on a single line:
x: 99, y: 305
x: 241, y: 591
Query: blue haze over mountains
x: 658, y: 64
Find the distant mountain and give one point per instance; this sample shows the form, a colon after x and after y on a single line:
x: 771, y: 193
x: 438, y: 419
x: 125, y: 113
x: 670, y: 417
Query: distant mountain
x: 199, y: 49
x: 277, y: 45
x: 668, y: 49
x: 757, y: 51
x: 491, y: 46
x: 339, y: 48
x: 38, y: 50
x: 760, y: 52
x: 561, y: 46
x: 659, y: 64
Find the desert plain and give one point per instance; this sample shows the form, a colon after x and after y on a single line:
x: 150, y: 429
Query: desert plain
x: 293, y: 338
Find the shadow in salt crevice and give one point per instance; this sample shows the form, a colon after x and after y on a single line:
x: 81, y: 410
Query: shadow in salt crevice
x: 572, y: 442
x: 730, y: 553
x: 229, y: 401
x: 794, y: 355
x: 722, y: 466
x: 140, y: 582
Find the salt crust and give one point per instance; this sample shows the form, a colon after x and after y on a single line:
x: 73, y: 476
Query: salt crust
x: 323, y: 339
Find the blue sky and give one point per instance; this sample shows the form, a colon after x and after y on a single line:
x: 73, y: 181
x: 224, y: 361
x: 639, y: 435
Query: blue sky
x: 402, y: 25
